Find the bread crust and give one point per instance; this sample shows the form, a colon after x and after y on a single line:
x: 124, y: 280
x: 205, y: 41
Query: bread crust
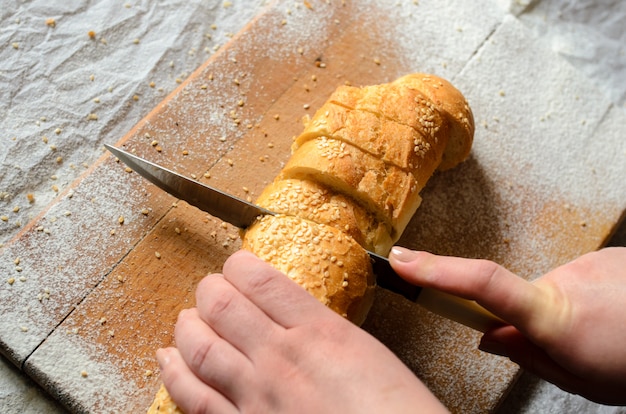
x: 325, y: 261
x: 163, y: 403
x: 394, y: 101
x: 391, y: 193
x: 316, y: 202
x: 392, y: 142
x: 451, y: 103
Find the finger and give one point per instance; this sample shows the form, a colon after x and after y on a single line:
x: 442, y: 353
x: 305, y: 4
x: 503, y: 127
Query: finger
x: 283, y: 300
x: 189, y: 392
x: 212, y: 359
x: 232, y: 316
x: 510, y: 342
x: 503, y: 293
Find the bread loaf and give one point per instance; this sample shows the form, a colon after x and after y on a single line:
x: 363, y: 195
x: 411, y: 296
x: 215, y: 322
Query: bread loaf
x: 353, y: 182
x: 359, y: 166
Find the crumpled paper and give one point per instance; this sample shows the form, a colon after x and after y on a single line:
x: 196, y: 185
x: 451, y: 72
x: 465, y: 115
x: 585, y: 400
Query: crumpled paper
x: 77, y: 74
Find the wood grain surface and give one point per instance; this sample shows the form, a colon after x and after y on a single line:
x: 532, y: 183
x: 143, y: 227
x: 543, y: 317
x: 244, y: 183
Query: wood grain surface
x: 103, y: 285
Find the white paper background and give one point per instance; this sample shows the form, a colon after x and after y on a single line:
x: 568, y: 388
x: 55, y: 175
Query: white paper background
x: 53, y: 78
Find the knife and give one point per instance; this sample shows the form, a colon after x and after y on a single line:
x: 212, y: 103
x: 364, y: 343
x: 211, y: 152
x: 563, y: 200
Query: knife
x: 242, y: 213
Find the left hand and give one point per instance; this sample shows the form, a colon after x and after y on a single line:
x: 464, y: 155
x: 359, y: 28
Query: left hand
x: 258, y: 342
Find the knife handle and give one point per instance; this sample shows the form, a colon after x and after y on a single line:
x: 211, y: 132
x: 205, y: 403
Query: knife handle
x: 466, y: 312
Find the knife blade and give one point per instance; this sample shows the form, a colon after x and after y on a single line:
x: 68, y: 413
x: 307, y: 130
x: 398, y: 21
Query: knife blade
x: 242, y: 214
x: 238, y: 212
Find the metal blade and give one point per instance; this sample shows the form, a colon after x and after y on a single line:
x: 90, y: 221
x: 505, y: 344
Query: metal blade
x: 215, y: 202
x: 240, y: 212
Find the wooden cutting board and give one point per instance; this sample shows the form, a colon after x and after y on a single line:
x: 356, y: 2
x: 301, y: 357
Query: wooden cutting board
x: 101, y: 275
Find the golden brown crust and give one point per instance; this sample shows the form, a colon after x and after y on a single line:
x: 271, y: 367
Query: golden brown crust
x: 316, y: 202
x: 394, y: 143
x: 387, y: 191
x: 322, y: 259
x: 394, y: 101
x: 453, y: 106
x: 163, y: 403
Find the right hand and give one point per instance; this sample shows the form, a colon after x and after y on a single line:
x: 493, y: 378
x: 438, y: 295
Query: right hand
x: 568, y: 326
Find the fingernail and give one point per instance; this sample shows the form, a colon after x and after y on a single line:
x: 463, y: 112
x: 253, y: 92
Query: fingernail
x: 493, y: 347
x: 162, y: 358
x: 403, y: 254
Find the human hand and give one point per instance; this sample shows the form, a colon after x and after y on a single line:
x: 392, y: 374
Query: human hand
x: 568, y: 326
x: 258, y: 342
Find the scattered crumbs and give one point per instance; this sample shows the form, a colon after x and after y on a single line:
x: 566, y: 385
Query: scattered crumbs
x: 18, y: 268
x: 157, y: 255
x: 230, y: 162
x: 4, y: 218
x: 91, y: 34
x: 120, y: 219
x: 24, y: 329
x: 136, y: 41
x: 84, y: 374
x: 377, y: 61
x: 501, y: 93
x: 112, y: 232
x: 145, y: 211
x: 44, y: 139
x: 92, y: 77
x: 30, y: 197
x: 57, y: 131
x: 92, y: 117
x: 185, y: 152
x: 55, y: 188
x: 59, y: 160
x: 306, y: 106
x: 128, y: 170
x: 135, y: 97
x: 11, y: 280
x: 177, y: 230
x: 15, y: 45
x: 16, y: 209
x: 277, y: 117
x: 50, y: 22
x: 148, y: 373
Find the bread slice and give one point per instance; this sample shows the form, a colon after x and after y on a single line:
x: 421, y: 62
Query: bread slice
x: 325, y: 261
x: 453, y: 107
x: 314, y: 201
x: 392, y: 142
x: 389, y: 192
x: 394, y: 101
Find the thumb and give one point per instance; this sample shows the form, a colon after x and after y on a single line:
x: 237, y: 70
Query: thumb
x: 509, y: 342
